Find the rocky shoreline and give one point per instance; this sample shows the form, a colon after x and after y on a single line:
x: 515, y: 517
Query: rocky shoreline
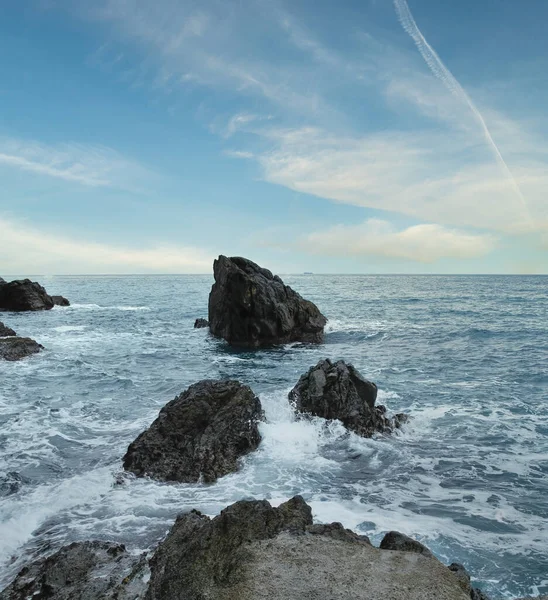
x: 251, y: 550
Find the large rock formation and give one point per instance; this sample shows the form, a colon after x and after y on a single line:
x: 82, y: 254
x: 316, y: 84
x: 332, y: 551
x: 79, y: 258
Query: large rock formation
x: 250, y: 307
x: 252, y: 551
x: 82, y: 571
x: 16, y: 348
x: 201, y: 434
x: 6, y: 331
x: 337, y: 391
x: 23, y: 295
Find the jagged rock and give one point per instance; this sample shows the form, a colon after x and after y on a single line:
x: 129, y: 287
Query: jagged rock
x: 2, y: 281
x: 82, y: 571
x: 60, y: 301
x: 200, y: 323
x: 337, y: 391
x: 23, y: 295
x: 252, y: 551
x: 250, y: 307
x: 464, y: 579
x: 394, y: 540
x: 201, y: 434
x: 6, y: 331
x: 15, y: 348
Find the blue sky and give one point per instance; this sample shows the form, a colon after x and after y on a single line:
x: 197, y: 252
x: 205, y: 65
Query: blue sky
x: 369, y: 136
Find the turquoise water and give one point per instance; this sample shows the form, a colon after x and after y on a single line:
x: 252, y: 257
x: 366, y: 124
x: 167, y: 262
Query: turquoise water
x: 467, y: 357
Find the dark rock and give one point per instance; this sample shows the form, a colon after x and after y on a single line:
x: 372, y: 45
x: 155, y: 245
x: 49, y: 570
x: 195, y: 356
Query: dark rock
x: 6, y: 331
x: 337, y: 391
x: 200, y: 323
x: 82, y: 571
x: 250, y: 307
x: 2, y: 281
x: 201, y: 554
x: 60, y: 301
x: 394, y: 540
x: 464, y: 579
x: 252, y: 551
x: 201, y: 434
x: 15, y: 348
x: 337, y: 532
x: 23, y: 295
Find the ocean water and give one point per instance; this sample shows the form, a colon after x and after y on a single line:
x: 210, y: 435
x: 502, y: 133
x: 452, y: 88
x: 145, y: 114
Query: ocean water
x: 467, y: 357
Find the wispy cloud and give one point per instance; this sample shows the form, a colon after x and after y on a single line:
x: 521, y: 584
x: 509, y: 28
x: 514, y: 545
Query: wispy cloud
x: 93, y: 166
x: 426, y: 243
x: 26, y: 249
x: 437, y: 67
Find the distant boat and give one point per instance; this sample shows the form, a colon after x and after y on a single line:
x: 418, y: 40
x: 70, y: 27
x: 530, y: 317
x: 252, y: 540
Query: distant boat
x: 308, y: 273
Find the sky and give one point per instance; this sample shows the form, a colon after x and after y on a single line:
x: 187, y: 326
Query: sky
x: 364, y: 136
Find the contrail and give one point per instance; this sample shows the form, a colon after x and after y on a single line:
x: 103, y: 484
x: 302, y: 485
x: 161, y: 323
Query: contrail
x: 437, y: 67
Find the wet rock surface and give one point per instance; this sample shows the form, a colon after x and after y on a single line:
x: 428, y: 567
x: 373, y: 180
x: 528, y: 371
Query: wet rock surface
x: 200, y: 435
x: 82, y: 571
x: 60, y: 301
x: 6, y: 331
x: 336, y: 390
x: 24, y: 295
x: 201, y: 323
x: 251, y: 307
x: 16, y: 348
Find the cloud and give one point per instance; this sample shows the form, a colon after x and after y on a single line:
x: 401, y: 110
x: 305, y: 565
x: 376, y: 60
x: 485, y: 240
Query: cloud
x: 427, y: 174
x: 446, y: 77
x: 29, y: 250
x: 426, y: 243
x: 92, y: 166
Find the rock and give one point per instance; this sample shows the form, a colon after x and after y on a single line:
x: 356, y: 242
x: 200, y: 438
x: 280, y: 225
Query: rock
x: 200, y: 323
x: 250, y: 307
x: 464, y: 579
x: 60, y: 301
x: 394, y: 540
x: 6, y: 331
x: 201, y: 434
x: 82, y: 571
x: 23, y: 295
x: 2, y: 281
x: 15, y: 348
x: 252, y: 551
x: 337, y: 391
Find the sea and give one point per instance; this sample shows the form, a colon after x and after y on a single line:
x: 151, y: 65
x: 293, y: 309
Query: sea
x: 465, y: 356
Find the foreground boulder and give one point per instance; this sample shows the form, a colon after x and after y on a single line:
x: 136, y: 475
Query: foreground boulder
x: 338, y: 391
x: 6, y: 331
x: 60, y: 301
x: 252, y: 551
x: 24, y: 295
x: 201, y: 434
x: 16, y: 348
x: 82, y: 571
x: 250, y: 307
x: 201, y: 323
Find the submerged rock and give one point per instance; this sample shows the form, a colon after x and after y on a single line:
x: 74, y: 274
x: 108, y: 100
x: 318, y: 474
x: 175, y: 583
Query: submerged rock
x: 16, y: 348
x: 82, y: 571
x: 60, y: 301
x: 338, y: 391
x: 201, y: 434
x: 252, y: 551
x: 24, y: 295
x: 200, y: 323
x: 250, y: 307
x: 6, y: 331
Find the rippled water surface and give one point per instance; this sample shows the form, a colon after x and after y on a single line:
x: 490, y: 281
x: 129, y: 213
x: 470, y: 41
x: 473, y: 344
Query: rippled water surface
x: 467, y: 357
